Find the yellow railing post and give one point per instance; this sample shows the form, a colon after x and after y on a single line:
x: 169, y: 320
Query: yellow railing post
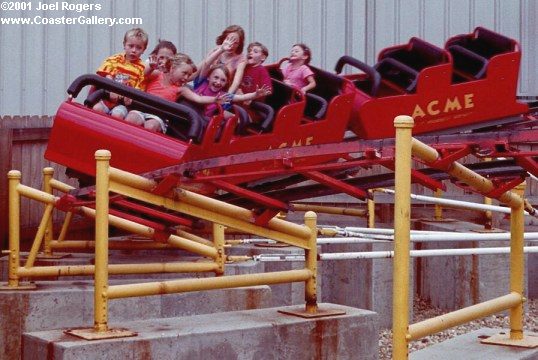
x: 102, y: 158
x: 517, y: 264
x: 14, y: 179
x: 48, y: 172
x: 371, y: 210
x: 402, y: 209
x: 311, y: 258
x: 218, y: 239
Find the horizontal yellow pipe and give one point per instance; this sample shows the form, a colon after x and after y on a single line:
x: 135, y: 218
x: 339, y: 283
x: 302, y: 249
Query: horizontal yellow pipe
x: 112, y: 245
x: 457, y: 170
x: 142, y: 183
x: 222, y: 282
x: 278, y: 229
x: 58, y: 185
x: 148, y: 232
x: 117, y: 269
x: 193, y: 237
x: 35, y: 194
x: 239, y: 213
x: 127, y: 178
x: 462, y: 316
x: 329, y: 210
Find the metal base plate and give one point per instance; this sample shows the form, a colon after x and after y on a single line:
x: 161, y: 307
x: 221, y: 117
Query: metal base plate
x: 42, y: 256
x: 91, y: 334
x: 21, y: 286
x: 530, y: 340
x: 301, y: 312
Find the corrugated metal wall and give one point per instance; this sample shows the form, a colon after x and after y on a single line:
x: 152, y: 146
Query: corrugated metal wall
x: 38, y: 62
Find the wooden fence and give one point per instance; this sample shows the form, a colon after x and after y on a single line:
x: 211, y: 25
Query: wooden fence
x: 23, y: 140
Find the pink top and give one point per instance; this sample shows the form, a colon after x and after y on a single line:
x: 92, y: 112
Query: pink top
x: 204, y: 90
x: 297, y: 77
x: 155, y: 87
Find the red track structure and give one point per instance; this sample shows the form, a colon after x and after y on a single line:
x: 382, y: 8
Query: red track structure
x: 462, y: 98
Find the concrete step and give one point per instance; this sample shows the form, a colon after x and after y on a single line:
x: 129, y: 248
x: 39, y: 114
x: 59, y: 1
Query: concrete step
x: 65, y: 304
x: 469, y: 347
x: 251, y: 334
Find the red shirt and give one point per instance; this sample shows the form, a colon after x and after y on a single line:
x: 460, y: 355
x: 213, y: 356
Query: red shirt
x: 255, y: 76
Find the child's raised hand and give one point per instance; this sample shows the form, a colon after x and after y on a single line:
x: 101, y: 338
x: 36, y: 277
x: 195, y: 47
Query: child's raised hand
x: 127, y: 101
x: 228, y: 43
x: 263, y: 91
x: 153, y: 62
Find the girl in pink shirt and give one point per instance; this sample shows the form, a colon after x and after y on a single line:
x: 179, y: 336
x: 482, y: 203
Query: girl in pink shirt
x: 297, y: 73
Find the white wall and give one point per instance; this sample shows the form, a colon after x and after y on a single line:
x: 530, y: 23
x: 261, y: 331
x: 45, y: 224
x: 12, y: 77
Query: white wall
x: 38, y: 62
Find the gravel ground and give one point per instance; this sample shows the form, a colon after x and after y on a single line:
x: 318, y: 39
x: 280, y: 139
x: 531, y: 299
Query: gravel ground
x: 422, y: 311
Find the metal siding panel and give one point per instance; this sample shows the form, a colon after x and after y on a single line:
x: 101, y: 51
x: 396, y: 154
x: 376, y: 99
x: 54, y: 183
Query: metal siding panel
x: 409, y: 26
x: 193, y: 30
x: 434, y: 25
x: 459, y: 17
x: 11, y: 68
x: 335, y: 42
x: 287, y: 27
x: 263, y: 29
x: 384, y: 25
x: 216, y: 22
x: 314, y: 29
x: 484, y: 14
x: 32, y: 82
x: 168, y: 14
x: 239, y: 14
x: 358, y: 29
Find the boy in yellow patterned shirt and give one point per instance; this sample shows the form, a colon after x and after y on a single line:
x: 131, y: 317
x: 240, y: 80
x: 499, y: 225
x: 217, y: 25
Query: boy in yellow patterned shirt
x: 126, y: 68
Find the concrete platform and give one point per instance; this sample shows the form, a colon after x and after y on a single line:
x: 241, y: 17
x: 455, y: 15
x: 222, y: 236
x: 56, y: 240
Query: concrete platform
x: 361, y: 283
x: 468, y: 347
x: 60, y: 304
x: 252, y: 334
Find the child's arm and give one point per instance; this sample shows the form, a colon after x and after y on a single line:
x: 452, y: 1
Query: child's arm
x: 238, y: 77
x: 214, y: 55
x: 188, y: 94
x: 260, y: 92
x: 311, y: 84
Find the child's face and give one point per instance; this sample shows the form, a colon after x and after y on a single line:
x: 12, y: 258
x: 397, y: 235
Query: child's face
x: 163, y: 55
x: 217, y: 80
x: 255, y: 55
x: 179, y: 75
x: 134, y: 48
x: 297, y: 54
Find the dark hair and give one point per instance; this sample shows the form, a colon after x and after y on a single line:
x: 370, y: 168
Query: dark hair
x: 306, y: 51
x: 265, y: 51
x: 164, y: 44
x: 233, y: 29
x: 223, y: 68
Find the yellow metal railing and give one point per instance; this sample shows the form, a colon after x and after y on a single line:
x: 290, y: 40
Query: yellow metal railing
x: 403, y: 332
x: 221, y: 215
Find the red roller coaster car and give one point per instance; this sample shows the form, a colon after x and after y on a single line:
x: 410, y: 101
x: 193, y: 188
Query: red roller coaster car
x: 469, y: 84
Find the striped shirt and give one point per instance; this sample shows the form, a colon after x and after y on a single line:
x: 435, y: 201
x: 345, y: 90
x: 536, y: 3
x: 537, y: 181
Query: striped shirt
x: 126, y: 72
